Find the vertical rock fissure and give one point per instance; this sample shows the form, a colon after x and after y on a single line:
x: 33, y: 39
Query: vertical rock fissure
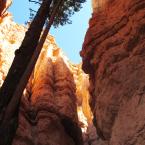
x: 85, y: 115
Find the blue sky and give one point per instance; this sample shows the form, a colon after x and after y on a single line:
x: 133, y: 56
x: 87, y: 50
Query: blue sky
x: 69, y: 37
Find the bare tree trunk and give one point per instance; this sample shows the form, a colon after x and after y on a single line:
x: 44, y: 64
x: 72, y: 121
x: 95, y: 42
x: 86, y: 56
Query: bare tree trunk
x: 22, y: 58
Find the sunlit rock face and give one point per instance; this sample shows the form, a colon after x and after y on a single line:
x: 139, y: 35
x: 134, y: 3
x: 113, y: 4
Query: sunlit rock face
x: 11, y: 35
x: 54, y: 107
x: 48, y: 113
x: 48, y: 110
x: 98, y: 5
x: 4, y: 5
x: 114, y: 57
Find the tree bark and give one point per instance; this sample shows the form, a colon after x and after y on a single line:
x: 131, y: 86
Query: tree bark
x: 22, y: 58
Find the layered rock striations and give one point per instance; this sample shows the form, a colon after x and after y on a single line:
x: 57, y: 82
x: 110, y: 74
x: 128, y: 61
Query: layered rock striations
x: 55, y: 102
x: 49, y: 105
x: 114, y: 57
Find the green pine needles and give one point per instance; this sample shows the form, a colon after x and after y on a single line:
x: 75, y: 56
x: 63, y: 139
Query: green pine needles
x: 65, y: 11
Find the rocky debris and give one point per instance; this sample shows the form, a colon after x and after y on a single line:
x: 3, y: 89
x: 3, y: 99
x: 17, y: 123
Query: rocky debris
x: 113, y: 56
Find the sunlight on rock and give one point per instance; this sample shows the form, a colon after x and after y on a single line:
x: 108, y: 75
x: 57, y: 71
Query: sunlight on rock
x: 98, y: 5
x: 56, y: 88
x: 83, y: 120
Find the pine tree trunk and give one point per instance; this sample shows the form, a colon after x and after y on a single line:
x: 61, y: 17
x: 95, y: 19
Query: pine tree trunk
x: 22, y: 58
x: 12, y: 106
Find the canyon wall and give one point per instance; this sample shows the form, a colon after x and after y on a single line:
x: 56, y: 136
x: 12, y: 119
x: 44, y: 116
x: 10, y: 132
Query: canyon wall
x: 113, y: 55
x: 48, y: 109
x: 54, y: 106
x: 48, y: 112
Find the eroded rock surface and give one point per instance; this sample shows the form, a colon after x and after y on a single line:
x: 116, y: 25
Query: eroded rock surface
x: 48, y: 110
x: 4, y: 5
x: 114, y: 56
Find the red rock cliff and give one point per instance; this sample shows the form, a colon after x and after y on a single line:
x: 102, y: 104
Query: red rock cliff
x: 114, y: 57
x: 48, y: 110
x: 53, y: 103
x: 48, y: 113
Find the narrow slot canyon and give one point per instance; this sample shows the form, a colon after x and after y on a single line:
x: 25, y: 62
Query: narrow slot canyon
x: 99, y: 101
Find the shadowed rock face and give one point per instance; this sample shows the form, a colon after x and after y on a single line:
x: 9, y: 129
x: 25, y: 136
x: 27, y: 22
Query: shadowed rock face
x: 114, y: 56
x: 98, y: 5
